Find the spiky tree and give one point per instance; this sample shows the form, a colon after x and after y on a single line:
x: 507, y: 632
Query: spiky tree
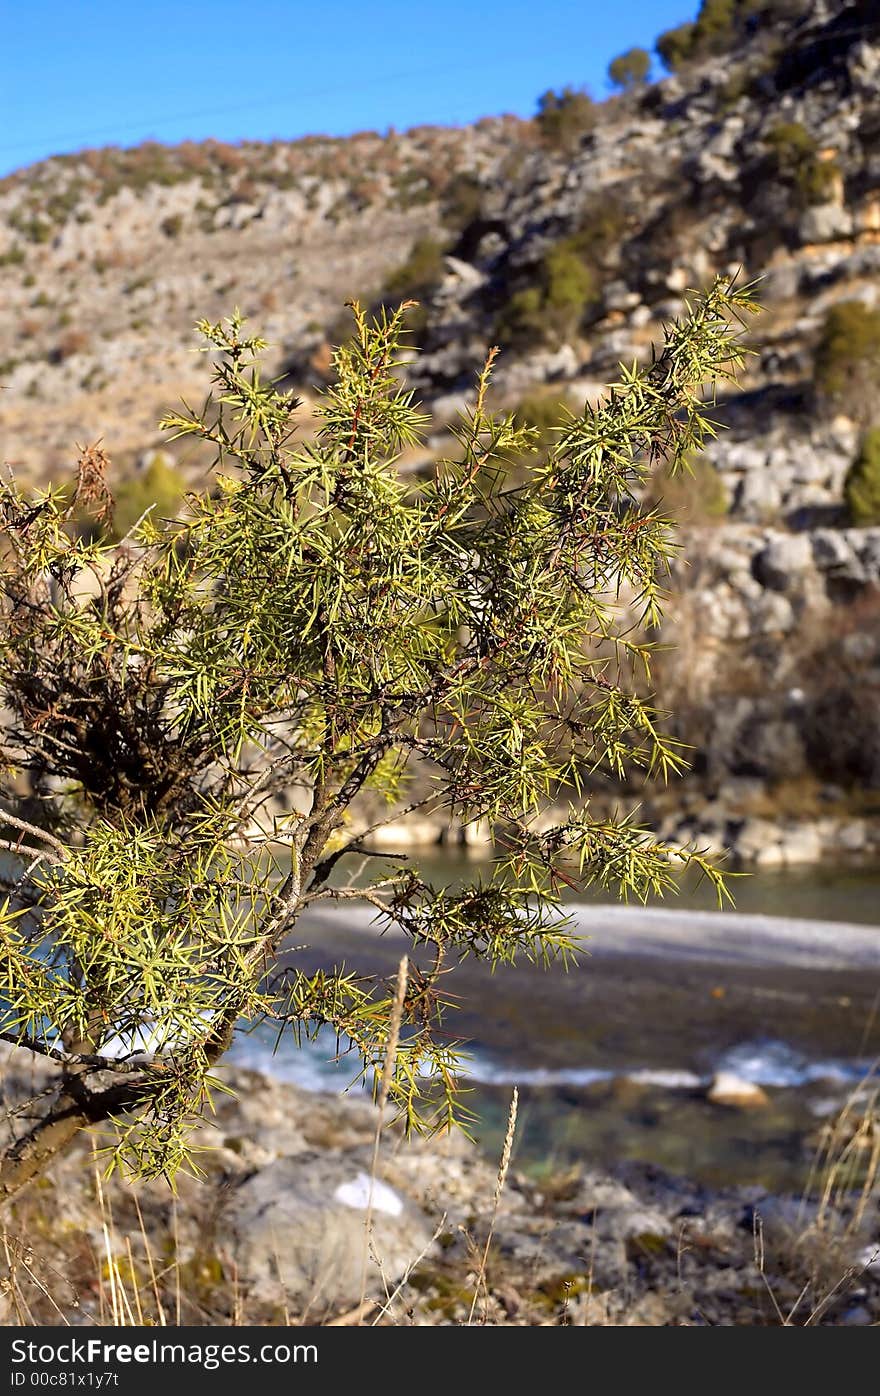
x: 323, y: 623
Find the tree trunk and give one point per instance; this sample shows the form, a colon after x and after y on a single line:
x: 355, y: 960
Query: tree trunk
x: 73, y: 1110
x: 34, y: 1151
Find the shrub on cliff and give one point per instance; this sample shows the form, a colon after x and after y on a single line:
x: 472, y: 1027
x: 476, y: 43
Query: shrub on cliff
x: 550, y: 310
x: 631, y: 69
x: 795, y: 161
x: 675, y: 46
x: 719, y: 25
x: 417, y: 279
x: 694, y: 494
x: 862, y: 486
x: 462, y: 201
x: 847, y: 368
x: 316, y: 624
x: 564, y: 118
x: 421, y: 273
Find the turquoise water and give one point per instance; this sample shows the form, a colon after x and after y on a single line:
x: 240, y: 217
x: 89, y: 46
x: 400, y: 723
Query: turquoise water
x: 613, y: 1058
x: 830, y: 891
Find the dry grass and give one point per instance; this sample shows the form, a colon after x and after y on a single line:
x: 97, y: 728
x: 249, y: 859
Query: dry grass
x: 825, y: 1254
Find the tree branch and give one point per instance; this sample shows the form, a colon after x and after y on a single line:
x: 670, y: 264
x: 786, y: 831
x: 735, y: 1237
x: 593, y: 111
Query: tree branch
x: 38, y: 833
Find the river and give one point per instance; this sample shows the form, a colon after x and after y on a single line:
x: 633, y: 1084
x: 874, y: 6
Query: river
x: 613, y: 1057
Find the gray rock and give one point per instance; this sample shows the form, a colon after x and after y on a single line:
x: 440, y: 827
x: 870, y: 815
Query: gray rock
x: 833, y: 551
x: 574, y: 1250
x: 771, y: 614
x: 867, y: 546
x: 297, y: 1230
x: 563, y: 364
x: 618, y: 296
x: 617, y: 1214
x: 236, y: 215
x: 726, y: 615
x: 825, y: 223
x: 783, y: 562
x: 852, y: 837
x: 758, y: 842
x: 759, y: 495
x: 740, y: 455
x: 463, y: 275
x: 782, y: 282
x: 801, y: 843
x: 809, y: 467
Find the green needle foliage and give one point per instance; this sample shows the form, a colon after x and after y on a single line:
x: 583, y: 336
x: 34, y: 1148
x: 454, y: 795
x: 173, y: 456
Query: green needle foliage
x: 321, y: 624
x: 861, y: 489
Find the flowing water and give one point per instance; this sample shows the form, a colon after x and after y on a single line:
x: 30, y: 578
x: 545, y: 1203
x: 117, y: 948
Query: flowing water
x: 614, y: 1057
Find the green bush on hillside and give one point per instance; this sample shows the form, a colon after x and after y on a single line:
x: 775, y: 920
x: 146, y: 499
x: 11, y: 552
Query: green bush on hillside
x: 600, y: 229
x: 569, y: 285
x: 564, y: 118
x: 847, y: 367
x: 718, y: 26
x: 551, y: 310
x: 160, y: 484
x: 566, y: 281
x: 675, y: 46
x: 462, y: 201
x: 417, y: 279
x: 861, y: 488
x: 694, y: 494
x: 631, y: 69
x: 795, y: 157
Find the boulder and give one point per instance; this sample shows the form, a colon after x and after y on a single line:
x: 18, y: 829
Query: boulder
x: 825, y: 223
x: 759, y: 495
x: 758, y: 842
x: 408, y: 833
x: 618, y: 296
x: 801, y: 843
x: 731, y: 1090
x: 833, y: 552
x: 852, y: 837
x: 783, y: 562
x: 771, y: 615
x: 297, y: 1231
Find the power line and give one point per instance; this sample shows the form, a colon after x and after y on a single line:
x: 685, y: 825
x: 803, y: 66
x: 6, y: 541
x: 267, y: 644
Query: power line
x: 77, y: 138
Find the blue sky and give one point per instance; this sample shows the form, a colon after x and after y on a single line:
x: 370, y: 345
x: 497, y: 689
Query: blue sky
x: 77, y: 73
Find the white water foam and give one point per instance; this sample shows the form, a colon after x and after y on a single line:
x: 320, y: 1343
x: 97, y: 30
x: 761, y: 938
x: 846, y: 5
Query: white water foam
x: 312, y: 1067
x: 316, y: 1067
x: 769, y: 1062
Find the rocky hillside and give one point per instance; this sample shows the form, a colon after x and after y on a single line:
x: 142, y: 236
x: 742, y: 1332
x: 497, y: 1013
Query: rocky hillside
x: 569, y: 240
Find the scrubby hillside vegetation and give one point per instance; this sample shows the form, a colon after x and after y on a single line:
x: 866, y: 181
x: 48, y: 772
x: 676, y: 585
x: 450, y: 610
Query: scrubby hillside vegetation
x: 748, y: 138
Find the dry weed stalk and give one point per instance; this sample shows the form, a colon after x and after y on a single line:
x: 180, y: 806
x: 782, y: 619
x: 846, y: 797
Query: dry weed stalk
x: 388, y: 1067
x: 503, y: 1167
